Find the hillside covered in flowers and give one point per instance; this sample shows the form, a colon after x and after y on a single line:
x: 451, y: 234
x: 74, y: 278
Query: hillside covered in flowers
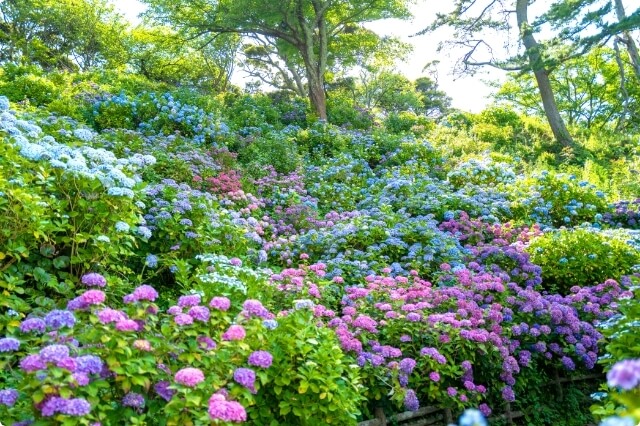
x: 169, y: 258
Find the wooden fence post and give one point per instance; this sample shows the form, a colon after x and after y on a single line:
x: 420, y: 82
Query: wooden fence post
x: 379, y: 413
x: 508, y: 414
x: 448, y: 416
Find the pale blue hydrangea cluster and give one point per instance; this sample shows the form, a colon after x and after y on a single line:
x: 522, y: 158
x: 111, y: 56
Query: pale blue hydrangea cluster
x: 117, y: 175
x: 481, y: 172
x: 191, y: 121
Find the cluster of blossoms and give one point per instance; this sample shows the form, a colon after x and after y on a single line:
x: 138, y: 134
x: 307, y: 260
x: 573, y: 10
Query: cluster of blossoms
x: 164, y: 114
x: 77, y: 355
x: 400, y: 325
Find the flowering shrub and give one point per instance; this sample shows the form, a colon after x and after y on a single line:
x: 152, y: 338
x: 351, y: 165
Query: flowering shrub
x: 158, y: 114
x: 311, y: 381
x: 581, y: 256
x: 471, y: 343
x: 198, y: 361
x: 556, y: 199
x: 619, y: 396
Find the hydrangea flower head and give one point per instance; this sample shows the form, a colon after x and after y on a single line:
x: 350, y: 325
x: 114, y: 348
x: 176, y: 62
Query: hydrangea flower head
x: 189, y: 377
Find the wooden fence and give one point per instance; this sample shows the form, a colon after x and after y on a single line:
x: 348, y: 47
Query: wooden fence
x: 437, y: 416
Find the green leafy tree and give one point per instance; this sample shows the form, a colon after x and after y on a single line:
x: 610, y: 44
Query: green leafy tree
x: 311, y: 28
x: 62, y: 34
x: 586, y: 89
x: 161, y: 55
x: 473, y: 20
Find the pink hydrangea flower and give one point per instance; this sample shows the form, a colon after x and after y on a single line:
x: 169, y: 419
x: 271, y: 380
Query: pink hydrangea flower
x: 189, y: 376
x: 93, y: 297
x: 235, y: 332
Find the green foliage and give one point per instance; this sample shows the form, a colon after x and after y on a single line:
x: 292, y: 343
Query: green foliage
x: 407, y: 121
x: 58, y: 229
x: 581, y: 257
x: 275, y: 149
x: 311, y: 380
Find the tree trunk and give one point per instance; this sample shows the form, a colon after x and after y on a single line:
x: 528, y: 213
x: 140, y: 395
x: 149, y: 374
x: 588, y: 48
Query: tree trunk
x: 632, y: 49
x: 532, y: 49
x: 317, y: 96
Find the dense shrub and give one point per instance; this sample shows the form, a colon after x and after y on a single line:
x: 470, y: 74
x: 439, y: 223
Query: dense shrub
x: 579, y: 257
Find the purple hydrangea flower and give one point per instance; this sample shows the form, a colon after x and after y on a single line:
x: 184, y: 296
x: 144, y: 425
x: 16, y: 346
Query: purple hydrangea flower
x: 254, y: 308
x: 8, y: 397
x: 36, y: 325
x: 145, y: 292
x: 89, y: 364
x: 625, y: 374
x: 411, y: 402
x: 508, y: 394
x: 134, y: 400
x: 162, y: 389
x: 9, y: 344
x: 93, y: 279
x: 189, y: 300
x: 407, y: 365
x: 245, y: 377
x: 58, y: 319
x: 54, y: 353
x: 260, y: 359
x: 183, y: 319
x: 32, y: 363
x: 200, y: 313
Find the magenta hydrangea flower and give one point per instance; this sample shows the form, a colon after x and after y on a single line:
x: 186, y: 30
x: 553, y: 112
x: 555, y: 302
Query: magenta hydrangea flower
x: 127, y: 325
x: 94, y: 279
x: 93, y: 297
x: 220, y: 303
x: 261, y: 359
x: 9, y: 344
x: 226, y: 411
x: 235, y: 261
x: 109, y: 315
x: 189, y: 300
x: 235, y: 332
x: 189, y: 377
x: 245, y: 377
x: 183, y: 319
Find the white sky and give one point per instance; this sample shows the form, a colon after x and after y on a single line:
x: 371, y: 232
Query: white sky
x: 468, y: 93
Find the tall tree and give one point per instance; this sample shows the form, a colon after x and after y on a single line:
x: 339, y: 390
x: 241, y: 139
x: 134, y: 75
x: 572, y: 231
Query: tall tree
x: 309, y: 27
x: 586, y: 89
x: 62, y: 34
x: 473, y: 19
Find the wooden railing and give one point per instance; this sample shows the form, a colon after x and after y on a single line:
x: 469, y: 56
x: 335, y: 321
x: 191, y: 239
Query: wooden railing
x: 437, y: 416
